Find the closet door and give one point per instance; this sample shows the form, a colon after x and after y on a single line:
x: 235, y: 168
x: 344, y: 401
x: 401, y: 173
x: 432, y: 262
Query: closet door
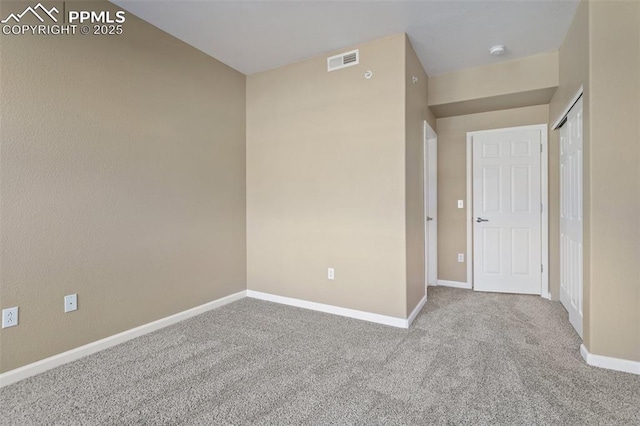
x: 571, y: 155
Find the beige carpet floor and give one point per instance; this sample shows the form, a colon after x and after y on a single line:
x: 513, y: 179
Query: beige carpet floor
x: 469, y: 358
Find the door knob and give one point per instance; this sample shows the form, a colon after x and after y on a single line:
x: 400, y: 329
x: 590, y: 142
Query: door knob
x: 429, y: 218
x: 481, y: 220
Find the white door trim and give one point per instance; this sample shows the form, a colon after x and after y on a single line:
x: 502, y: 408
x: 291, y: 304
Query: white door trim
x: 429, y: 135
x: 428, y: 131
x: 544, y: 197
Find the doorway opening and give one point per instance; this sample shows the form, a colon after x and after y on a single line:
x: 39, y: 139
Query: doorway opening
x: 430, y: 205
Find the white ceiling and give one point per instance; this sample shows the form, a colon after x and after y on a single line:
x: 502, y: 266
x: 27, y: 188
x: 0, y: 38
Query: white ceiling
x: 253, y: 36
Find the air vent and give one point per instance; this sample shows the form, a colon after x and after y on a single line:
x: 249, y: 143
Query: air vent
x: 343, y: 60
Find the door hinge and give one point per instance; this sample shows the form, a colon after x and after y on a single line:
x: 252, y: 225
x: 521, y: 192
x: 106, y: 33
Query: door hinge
x: 540, y: 147
x: 541, y: 268
x: 541, y: 208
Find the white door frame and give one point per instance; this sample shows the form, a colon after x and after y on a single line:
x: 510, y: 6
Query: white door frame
x: 431, y: 256
x: 544, y: 198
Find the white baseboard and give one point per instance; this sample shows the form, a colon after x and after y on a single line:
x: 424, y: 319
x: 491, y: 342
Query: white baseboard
x: 330, y: 309
x: 417, y: 310
x: 610, y: 363
x: 41, y: 366
x: 455, y: 284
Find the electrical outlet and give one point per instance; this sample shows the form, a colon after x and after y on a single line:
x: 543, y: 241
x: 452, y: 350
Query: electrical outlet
x: 461, y: 257
x: 461, y: 204
x: 71, y: 303
x: 9, y: 317
x: 330, y: 273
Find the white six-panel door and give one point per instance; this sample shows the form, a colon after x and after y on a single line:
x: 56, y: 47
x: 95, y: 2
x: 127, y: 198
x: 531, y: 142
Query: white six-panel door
x: 506, y: 212
x: 571, y: 215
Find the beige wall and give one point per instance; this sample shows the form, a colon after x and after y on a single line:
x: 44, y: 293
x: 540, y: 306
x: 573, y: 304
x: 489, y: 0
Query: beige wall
x: 614, y: 197
x: 452, y: 178
x: 416, y: 110
x: 505, y: 85
x: 611, y: 80
x: 495, y: 103
x: 326, y: 181
x: 122, y: 179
